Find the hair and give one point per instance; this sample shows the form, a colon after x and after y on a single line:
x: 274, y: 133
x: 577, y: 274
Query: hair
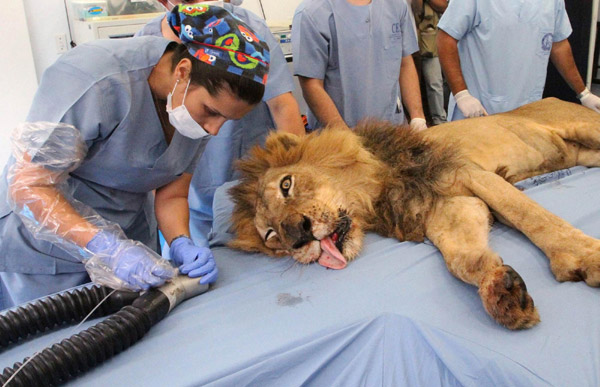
x: 214, y: 79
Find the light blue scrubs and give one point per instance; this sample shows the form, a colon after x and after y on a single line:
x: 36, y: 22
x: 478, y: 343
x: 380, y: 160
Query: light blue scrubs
x: 235, y: 137
x: 102, y: 89
x: 504, y: 48
x: 357, y: 52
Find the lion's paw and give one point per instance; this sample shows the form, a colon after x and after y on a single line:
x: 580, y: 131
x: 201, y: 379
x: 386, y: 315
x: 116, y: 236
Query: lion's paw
x: 505, y: 298
x: 566, y: 268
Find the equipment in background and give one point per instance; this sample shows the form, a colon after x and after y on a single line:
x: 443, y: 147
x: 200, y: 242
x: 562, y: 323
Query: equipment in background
x: 109, y: 19
x: 63, y: 361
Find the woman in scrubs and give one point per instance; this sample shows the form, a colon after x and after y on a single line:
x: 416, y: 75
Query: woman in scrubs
x: 135, y: 115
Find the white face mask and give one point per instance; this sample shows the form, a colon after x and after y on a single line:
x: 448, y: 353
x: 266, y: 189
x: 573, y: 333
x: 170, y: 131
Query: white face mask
x: 181, y: 119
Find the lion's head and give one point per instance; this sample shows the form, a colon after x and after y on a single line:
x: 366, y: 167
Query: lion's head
x: 308, y: 197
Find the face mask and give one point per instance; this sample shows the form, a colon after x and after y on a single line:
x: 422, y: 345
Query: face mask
x: 181, y: 119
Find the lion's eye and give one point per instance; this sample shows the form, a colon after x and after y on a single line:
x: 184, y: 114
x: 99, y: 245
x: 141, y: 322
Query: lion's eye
x: 286, y: 185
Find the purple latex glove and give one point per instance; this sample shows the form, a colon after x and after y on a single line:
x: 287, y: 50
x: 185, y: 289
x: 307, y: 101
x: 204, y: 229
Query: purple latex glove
x: 193, y: 260
x: 132, y: 262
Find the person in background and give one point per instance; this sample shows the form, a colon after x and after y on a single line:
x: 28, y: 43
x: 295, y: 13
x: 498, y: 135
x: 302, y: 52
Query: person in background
x: 427, y: 14
x: 495, y: 54
x: 278, y: 110
x: 353, y: 59
x: 114, y: 121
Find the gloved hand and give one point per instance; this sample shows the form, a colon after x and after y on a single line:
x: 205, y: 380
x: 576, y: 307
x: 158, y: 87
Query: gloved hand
x: 193, y: 260
x: 123, y: 263
x: 418, y: 124
x: 589, y: 100
x: 469, y: 105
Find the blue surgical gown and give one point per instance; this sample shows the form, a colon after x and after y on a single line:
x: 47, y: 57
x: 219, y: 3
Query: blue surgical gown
x: 215, y: 166
x: 357, y: 51
x: 102, y: 89
x: 504, y: 48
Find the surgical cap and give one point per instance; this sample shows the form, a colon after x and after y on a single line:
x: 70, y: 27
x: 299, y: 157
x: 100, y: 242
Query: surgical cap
x: 218, y: 38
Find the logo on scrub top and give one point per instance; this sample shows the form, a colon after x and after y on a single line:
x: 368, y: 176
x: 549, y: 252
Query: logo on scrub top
x: 396, y: 31
x: 547, y: 42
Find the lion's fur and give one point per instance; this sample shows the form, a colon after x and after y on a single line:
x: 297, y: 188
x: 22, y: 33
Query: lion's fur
x: 437, y: 184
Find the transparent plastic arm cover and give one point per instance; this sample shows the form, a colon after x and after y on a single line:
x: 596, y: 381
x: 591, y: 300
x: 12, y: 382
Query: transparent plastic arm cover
x: 44, y: 154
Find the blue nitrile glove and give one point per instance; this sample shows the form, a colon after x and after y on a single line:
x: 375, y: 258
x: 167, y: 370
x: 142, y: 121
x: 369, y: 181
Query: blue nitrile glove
x: 193, y: 260
x: 130, y: 261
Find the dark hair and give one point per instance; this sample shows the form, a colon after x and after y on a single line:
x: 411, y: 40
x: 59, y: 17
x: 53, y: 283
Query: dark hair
x: 214, y: 79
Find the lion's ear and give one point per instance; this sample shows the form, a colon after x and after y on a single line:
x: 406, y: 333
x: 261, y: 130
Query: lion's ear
x: 285, y: 141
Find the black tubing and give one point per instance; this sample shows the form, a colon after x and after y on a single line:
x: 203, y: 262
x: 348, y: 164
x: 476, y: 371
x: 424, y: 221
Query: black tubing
x: 59, y: 309
x: 61, y: 362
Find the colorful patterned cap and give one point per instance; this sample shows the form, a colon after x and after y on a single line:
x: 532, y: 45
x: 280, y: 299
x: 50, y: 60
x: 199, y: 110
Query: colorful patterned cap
x: 218, y: 38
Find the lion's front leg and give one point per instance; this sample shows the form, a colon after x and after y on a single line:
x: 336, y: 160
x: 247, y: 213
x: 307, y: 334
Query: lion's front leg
x: 574, y: 256
x: 459, y: 227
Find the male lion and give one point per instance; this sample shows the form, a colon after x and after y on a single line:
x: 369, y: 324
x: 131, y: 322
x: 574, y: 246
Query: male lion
x: 314, y: 197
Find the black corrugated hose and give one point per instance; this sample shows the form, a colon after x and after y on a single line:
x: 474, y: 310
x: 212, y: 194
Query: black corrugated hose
x: 59, y: 309
x: 73, y: 356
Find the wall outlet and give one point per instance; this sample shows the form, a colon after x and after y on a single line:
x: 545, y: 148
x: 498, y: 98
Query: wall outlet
x: 61, y: 43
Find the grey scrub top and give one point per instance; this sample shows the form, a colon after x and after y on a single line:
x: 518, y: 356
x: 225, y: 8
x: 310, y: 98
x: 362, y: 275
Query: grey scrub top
x: 357, y: 52
x: 102, y: 89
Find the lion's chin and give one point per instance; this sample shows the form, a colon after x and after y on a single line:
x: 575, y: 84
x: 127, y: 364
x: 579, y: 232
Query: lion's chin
x: 330, y: 256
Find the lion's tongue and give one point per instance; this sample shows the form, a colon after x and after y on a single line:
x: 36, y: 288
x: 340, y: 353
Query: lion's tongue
x: 330, y: 255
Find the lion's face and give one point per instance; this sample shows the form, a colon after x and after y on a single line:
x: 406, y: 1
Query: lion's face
x: 302, y: 213
x: 311, y: 210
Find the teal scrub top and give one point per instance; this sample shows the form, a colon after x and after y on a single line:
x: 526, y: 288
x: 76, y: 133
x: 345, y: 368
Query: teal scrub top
x: 504, y: 48
x: 102, y: 89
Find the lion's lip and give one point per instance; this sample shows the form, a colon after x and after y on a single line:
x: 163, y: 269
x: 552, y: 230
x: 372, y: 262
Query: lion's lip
x: 339, y: 234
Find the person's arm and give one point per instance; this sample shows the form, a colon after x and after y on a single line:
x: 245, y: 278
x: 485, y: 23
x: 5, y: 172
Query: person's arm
x: 173, y: 216
x: 450, y: 61
x: 319, y: 102
x: 34, y: 187
x: 562, y: 58
x: 410, y: 89
x: 438, y: 5
x: 417, y: 7
x: 172, y: 209
x: 286, y: 114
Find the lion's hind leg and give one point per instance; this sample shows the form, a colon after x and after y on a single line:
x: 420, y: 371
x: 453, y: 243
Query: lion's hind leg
x: 588, y: 157
x: 459, y: 227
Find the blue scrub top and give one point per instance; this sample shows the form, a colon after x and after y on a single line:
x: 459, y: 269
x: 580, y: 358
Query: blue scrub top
x: 504, y: 48
x: 215, y: 166
x: 102, y: 89
x: 357, y: 52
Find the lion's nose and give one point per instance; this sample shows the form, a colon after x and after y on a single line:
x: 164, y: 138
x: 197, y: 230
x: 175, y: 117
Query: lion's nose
x: 298, y: 229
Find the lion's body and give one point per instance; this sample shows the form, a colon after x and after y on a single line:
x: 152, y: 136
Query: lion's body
x: 313, y: 198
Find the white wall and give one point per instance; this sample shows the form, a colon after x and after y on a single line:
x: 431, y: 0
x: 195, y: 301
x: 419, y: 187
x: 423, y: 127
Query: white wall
x: 17, y: 72
x: 45, y: 19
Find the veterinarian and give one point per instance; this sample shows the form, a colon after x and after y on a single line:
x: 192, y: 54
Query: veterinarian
x: 495, y: 54
x: 141, y: 112
x: 353, y: 60
x: 278, y: 109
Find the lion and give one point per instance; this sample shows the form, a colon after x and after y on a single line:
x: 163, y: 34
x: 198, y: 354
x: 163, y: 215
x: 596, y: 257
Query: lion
x: 314, y: 197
